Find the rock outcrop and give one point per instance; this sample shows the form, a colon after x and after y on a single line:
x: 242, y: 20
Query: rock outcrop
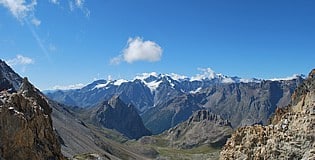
x: 202, y: 128
x: 9, y: 80
x: 115, y: 114
x: 291, y: 134
x: 26, y: 130
x: 241, y: 103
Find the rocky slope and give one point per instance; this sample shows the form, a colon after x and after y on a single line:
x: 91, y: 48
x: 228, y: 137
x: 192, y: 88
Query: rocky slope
x: 144, y: 91
x: 291, y: 135
x: 240, y: 103
x: 9, y: 80
x: 202, y: 128
x: 115, y: 114
x: 199, y: 137
x: 164, y: 100
x: 26, y: 130
x: 34, y: 127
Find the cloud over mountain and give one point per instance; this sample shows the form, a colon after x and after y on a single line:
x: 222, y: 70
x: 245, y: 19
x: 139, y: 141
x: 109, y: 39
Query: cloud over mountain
x: 138, y: 49
x: 20, y: 60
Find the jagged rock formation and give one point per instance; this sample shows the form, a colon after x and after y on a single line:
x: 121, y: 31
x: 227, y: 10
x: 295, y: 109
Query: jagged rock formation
x: 171, y: 113
x: 26, y: 130
x: 202, y: 128
x: 240, y: 103
x: 9, y: 80
x: 199, y: 137
x: 164, y: 100
x: 291, y: 134
x: 115, y: 114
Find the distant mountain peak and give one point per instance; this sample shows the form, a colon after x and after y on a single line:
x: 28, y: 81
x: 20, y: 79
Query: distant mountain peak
x: 9, y: 80
x: 115, y: 114
x: 294, y: 76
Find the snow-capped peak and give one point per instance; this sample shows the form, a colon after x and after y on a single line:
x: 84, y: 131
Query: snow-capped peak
x: 102, y: 85
x: 207, y: 73
x: 177, y: 77
x: 119, y: 82
x: 144, y: 76
x: 294, y: 76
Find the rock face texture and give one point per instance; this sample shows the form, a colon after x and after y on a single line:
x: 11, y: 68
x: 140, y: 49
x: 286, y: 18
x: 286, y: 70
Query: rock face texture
x: 164, y: 101
x: 26, y: 130
x: 115, y: 114
x: 9, y: 80
x: 203, y: 127
x: 291, y: 134
x: 241, y: 103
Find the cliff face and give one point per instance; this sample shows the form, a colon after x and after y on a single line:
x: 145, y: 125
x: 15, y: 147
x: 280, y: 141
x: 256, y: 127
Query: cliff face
x: 115, y: 114
x: 291, y: 134
x: 202, y: 128
x: 9, y: 80
x: 26, y: 130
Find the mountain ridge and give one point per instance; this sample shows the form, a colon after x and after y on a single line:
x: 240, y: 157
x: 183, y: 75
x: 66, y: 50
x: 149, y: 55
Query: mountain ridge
x: 290, y: 135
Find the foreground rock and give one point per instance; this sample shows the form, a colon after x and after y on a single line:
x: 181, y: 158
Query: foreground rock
x: 291, y: 134
x: 26, y: 130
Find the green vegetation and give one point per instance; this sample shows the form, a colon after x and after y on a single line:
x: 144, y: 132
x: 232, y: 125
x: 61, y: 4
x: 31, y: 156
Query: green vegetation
x: 202, y: 152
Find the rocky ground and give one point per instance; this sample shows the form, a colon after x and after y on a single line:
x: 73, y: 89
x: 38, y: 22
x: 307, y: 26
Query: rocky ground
x: 26, y: 130
x: 291, y: 135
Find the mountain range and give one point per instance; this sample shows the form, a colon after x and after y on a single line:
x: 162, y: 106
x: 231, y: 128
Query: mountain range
x: 190, y: 118
x: 164, y: 100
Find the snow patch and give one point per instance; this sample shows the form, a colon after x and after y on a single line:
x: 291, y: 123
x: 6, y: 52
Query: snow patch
x: 119, y: 82
x: 294, y: 76
x: 208, y: 73
x: 69, y: 87
x: 243, y: 80
x: 228, y: 80
x: 177, y: 77
x: 102, y: 85
x: 196, y: 91
x: 153, y: 85
x: 144, y: 76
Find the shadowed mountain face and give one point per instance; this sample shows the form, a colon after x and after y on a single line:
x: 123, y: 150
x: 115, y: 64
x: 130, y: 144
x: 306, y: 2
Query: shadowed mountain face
x: 290, y: 135
x: 240, y: 103
x: 9, y: 80
x: 199, y: 137
x: 202, y: 128
x: 28, y: 119
x: 115, y: 114
x: 144, y: 92
x: 163, y: 101
x: 26, y: 130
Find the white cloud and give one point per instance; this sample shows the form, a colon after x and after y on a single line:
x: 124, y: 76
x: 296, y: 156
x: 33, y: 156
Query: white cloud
x: 116, y: 60
x: 54, y: 1
x: 207, y: 73
x: 139, y: 50
x: 52, y: 47
x: 72, y: 86
x: 79, y: 4
x: 20, y: 60
x: 35, y: 21
x: 20, y: 9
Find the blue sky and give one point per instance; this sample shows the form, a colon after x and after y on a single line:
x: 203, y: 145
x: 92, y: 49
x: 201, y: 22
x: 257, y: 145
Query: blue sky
x: 67, y: 42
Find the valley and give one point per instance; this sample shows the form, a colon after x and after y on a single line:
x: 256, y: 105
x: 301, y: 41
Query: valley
x: 177, y: 121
